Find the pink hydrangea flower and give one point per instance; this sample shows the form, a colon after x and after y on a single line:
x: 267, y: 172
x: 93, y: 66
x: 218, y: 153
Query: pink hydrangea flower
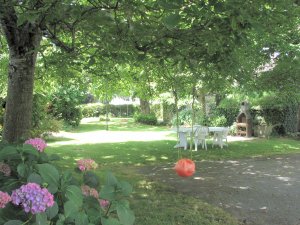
x: 37, y: 143
x: 103, y: 203
x: 5, y: 169
x: 86, y: 164
x: 32, y: 198
x: 88, y: 191
x: 4, y: 199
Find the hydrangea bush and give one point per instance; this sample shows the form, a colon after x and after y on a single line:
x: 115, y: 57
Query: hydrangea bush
x: 34, y: 191
x: 86, y: 164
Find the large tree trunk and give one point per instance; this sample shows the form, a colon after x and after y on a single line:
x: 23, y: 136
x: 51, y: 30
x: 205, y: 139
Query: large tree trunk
x: 23, y: 42
x: 145, y: 106
x: 18, y: 114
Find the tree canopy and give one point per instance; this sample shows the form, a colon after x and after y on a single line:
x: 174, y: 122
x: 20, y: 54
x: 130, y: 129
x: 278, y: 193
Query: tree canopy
x: 217, y: 43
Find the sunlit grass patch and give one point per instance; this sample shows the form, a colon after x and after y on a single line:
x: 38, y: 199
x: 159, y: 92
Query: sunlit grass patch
x: 152, y: 202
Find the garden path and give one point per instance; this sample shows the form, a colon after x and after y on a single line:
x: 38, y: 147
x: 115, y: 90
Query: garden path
x: 257, y: 191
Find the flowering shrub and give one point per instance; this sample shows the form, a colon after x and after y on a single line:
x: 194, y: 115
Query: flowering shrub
x: 37, y: 143
x: 88, y: 191
x: 104, y: 203
x: 4, y: 199
x: 5, y: 169
x: 86, y: 164
x: 36, y: 192
x: 33, y: 198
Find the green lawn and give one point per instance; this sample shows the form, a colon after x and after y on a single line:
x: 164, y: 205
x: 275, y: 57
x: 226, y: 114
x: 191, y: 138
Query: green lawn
x: 152, y: 202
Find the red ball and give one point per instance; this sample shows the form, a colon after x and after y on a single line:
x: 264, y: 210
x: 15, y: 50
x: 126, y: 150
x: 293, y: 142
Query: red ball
x: 185, y: 167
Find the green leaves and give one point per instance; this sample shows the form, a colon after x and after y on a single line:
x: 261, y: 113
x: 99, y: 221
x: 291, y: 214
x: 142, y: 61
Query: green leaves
x: 29, y: 149
x: 110, y: 221
x: 50, y: 176
x: 8, y: 152
x: 172, y: 20
x: 52, y: 211
x: 108, y: 192
x: 91, y: 179
x: 70, y: 209
x: 34, y: 178
x: 113, y: 187
x: 14, y: 222
x: 125, y: 214
x: 81, y: 219
x: 112, y: 191
x: 73, y: 193
x: 23, y: 170
x: 41, y: 219
x: 70, y: 205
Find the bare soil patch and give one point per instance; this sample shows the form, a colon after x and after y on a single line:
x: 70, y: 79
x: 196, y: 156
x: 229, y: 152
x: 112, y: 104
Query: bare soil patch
x: 258, y: 191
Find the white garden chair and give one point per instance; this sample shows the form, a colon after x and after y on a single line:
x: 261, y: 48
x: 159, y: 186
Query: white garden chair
x: 183, y: 142
x: 200, y: 136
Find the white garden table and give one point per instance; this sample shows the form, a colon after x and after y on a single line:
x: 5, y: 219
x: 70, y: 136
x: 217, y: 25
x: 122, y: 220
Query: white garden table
x: 186, y: 132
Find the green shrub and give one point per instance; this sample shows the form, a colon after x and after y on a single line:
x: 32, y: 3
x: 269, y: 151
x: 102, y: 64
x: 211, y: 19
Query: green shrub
x: 42, y: 122
x: 92, y: 109
x: 47, y: 126
x: 229, y: 108
x: 103, y: 118
x: 185, y: 117
x: 65, y: 105
x: 218, y: 121
x: 73, y: 200
x: 122, y: 110
x: 280, y: 111
x: 149, y: 119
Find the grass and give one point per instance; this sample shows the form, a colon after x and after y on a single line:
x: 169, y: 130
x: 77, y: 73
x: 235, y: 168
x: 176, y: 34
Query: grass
x: 152, y: 202
x: 115, y: 124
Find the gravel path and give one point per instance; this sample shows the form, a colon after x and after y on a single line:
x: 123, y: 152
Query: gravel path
x: 258, y: 191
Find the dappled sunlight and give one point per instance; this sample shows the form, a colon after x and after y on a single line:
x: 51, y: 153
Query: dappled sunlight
x: 283, y: 146
x: 199, y: 178
x: 151, y: 158
x: 164, y: 157
x: 110, y: 137
x: 241, y: 187
x: 108, y: 157
x: 283, y: 178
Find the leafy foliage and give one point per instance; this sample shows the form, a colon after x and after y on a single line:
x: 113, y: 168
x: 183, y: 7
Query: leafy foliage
x: 145, y: 118
x: 64, y: 105
x: 185, y: 117
x: 71, y: 205
x: 280, y: 111
x: 42, y: 122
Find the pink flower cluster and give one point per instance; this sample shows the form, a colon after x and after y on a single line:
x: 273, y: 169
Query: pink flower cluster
x: 103, y: 203
x: 88, y: 191
x: 5, y: 169
x: 4, y: 199
x: 86, y: 164
x: 37, y: 143
x: 33, y: 198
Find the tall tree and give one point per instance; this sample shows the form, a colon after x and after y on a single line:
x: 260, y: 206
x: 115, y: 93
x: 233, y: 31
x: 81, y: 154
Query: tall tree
x: 24, y: 23
x: 206, y: 31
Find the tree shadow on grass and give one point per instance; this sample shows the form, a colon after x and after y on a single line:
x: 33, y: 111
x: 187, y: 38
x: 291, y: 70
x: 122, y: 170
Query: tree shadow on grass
x: 139, y: 153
